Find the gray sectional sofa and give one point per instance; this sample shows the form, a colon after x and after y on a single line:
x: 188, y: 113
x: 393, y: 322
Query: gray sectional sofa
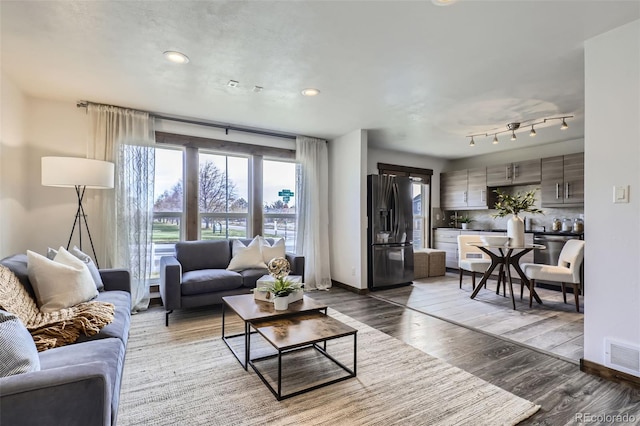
x: 78, y: 384
x: 197, y: 274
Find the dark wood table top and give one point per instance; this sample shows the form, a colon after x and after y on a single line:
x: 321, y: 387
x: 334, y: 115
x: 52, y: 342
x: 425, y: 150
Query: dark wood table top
x: 250, y: 309
x: 300, y: 330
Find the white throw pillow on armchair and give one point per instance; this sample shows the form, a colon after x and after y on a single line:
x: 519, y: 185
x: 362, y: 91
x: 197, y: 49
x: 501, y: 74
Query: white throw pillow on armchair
x: 246, y: 257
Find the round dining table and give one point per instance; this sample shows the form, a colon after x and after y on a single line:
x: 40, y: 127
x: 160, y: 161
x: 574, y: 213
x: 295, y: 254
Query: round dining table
x: 504, y: 256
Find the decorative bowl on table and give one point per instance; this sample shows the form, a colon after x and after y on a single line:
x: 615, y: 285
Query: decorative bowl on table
x: 494, y: 240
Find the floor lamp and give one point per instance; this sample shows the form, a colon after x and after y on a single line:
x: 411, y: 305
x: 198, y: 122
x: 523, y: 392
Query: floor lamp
x: 78, y: 173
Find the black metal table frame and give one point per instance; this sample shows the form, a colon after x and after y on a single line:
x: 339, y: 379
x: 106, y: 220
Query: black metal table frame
x: 244, y: 360
x: 506, y: 260
x: 323, y: 350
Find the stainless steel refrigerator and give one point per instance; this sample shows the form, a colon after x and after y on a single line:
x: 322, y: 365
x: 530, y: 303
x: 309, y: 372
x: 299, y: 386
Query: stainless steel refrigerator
x: 389, y: 231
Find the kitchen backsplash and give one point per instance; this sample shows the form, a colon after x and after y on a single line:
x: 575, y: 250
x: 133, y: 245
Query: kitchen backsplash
x: 482, y: 219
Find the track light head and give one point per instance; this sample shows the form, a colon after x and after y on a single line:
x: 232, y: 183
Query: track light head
x: 472, y: 143
x: 564, y: 125
x: 532, y: 132
x: 513, y: 135
x: 495, y: 139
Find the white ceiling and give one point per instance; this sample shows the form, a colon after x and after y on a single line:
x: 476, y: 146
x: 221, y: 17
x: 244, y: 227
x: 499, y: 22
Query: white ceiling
x: 419, y: 77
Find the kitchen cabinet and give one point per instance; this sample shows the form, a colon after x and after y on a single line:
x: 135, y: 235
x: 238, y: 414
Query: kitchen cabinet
x: 477, y: 188
x: 464, y: 189
x: 562, y: 181
x: 446, y: 239
x: 518, y: 173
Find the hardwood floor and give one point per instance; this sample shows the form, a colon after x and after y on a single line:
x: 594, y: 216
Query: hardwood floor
x: 553, y: 327
x: 561, y: 389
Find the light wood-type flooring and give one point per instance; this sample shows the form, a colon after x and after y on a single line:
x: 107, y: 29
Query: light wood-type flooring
x: 553, y: 327
x: 558, y: 385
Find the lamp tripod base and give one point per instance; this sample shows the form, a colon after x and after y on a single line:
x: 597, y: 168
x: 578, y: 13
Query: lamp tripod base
x: 77, y: 223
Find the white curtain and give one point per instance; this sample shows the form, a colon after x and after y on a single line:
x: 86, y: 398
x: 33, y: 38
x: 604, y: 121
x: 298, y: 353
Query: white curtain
x: 126, y: 137
x: 312, y: 212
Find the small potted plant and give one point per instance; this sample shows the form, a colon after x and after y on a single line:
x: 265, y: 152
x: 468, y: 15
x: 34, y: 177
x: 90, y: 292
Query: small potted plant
x: 280, y: 288
x: 512, y: 205
x: 464, y: 221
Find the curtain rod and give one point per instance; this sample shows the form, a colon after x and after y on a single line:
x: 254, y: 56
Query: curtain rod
x: 84, y: 104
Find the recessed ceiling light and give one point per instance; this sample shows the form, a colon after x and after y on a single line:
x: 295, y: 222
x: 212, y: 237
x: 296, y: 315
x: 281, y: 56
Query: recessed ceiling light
x: 257, y: 89
x: 310, y: 92
x: 443, y: 2
x: 233, y: 83
x: 177, y: 57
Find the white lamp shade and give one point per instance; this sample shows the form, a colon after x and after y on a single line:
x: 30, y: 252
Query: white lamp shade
x: 73, y: 171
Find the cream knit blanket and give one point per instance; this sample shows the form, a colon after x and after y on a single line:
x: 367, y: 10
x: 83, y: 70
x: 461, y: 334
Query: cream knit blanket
x: 52, y: 329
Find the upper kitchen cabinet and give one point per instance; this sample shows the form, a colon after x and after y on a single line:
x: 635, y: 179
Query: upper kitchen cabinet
x: 519, y: 173
x: 562, y: 181
x: 463, y: 189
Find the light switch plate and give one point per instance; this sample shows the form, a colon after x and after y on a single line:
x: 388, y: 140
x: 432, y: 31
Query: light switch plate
x: 621, y: 194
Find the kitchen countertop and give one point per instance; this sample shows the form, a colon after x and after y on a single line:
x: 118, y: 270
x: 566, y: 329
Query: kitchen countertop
x: 569, y: 234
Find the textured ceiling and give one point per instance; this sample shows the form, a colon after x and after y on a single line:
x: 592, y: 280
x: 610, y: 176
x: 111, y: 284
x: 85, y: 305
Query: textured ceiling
x: 419, y: 77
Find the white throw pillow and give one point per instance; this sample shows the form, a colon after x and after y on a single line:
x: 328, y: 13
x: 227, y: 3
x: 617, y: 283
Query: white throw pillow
x: 95, y: 273
x: 270, y: 252
x: 246, y: 257
x: 59, y: 283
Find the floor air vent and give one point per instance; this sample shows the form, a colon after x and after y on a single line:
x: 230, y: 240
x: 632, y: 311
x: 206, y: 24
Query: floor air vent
x: 622, y: 357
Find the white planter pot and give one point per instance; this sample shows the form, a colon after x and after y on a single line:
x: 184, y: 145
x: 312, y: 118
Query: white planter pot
x: 515, y: 231
x: 281, y: 303
x: 464, y: 225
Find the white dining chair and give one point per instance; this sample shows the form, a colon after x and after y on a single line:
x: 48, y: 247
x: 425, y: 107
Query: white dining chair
x: 566, y: 272
x: 471, y: 258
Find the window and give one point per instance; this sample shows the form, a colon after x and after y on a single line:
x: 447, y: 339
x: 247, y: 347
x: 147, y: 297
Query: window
x: 168, y: 204
x: 420, y: 195
x: 279, y: 201
x: 205, y: 189
x: 223, y: 196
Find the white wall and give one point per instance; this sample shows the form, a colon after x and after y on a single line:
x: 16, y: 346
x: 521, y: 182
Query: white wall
x: 376, y: 156
x: 612, y: 157
x: 348, y: 208
x: 58, y: 129
x: 503, y: 157
x: 13, y: 148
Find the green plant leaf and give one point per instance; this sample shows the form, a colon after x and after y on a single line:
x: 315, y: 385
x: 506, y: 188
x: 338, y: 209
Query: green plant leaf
x: 514, y: 204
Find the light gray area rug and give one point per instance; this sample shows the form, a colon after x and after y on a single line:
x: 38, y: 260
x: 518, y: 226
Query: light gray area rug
x: 185, y: 374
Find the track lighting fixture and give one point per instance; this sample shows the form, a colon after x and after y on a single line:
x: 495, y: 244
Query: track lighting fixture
x: 512, y: 127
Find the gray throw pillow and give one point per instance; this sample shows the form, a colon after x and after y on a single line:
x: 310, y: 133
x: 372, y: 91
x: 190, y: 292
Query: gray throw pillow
x: 18, y: 353
x: 95, y: 274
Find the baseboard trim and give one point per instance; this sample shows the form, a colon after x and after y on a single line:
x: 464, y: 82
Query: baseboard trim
x: 607, y: 373
x: 350, y: 288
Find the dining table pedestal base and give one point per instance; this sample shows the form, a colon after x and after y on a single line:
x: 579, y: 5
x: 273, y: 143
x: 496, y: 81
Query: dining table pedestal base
x: 506, y: 257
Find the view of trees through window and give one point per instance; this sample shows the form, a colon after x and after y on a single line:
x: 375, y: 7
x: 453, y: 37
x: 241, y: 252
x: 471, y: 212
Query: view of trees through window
x: 223, y: 192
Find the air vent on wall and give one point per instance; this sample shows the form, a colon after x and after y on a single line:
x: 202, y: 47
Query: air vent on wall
x: 622, y: 356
